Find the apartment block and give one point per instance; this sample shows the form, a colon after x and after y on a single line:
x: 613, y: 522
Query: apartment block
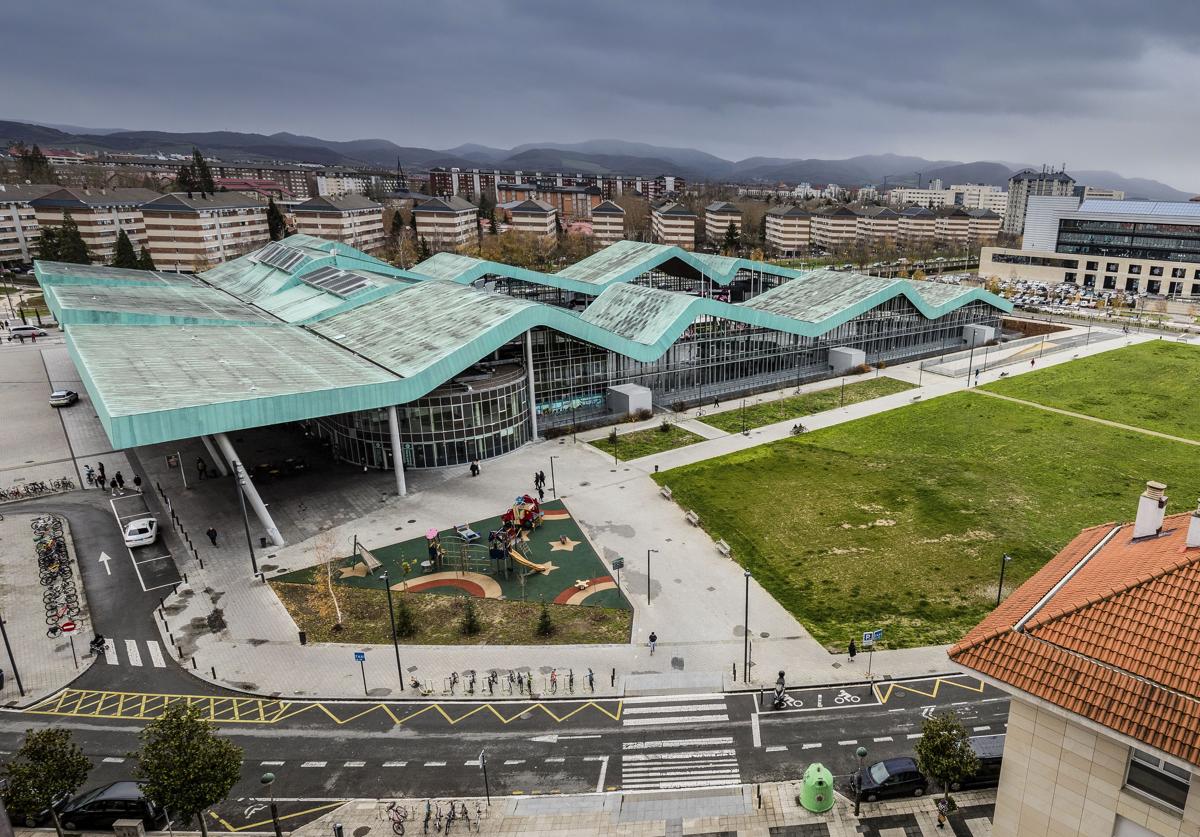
x: 573, y: 202
x: 608, y: 223
x: 1027, y: 183
x: 788, y: 230
x: 674, y: 223
x: 350, y: 219
x: 717, y: 218
x: 835, y: 226
x: 915, y: 225
x: 446, y: 223
x: 192, y: 233
x: 98, y: 214
x: 529, y: 216
x: 19, y: 231
x: 877, y: 223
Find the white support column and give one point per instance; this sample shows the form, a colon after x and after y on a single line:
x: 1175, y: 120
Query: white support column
x: 216, y: 457
x: 260, y: 508
x: 533, y: 431
x: 397, y: 451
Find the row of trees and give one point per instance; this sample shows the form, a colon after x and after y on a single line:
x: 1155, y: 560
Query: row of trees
x: 183, y: 765
x: 196, y: 176
x: 65, y: 244
x: 32, y: 165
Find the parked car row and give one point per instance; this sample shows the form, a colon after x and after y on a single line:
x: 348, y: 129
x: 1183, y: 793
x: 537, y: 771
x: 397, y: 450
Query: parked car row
x: 99, y: 808
x: 900, y: 776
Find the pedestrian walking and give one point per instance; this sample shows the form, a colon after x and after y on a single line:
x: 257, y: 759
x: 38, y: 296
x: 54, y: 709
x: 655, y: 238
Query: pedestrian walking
x: 201, y: 467
x: 853, y: 650
x: 102, y: 480
x: 474, y: 467
x: 120, y: 481
x: 212, y: 535
x: 1032, y: 361
x: 542, y: 478
x: 976, y: 377
x: 89, y: 475
x: 537, y: 479
x: 113, y: 486
x: 653, y: 642
x: 541, y: 493
x: 137, y: 483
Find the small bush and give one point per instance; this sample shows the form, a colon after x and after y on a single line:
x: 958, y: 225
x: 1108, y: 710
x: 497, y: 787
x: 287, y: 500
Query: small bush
x: 545, y: 626
x: 665, y: 427
x: 644, y: 414
x: 555, y: 432
x: 881, y: 365
x: 679, y: 406
x: 612, y: 436
x: 470, y: 619
x: 406, y: 626
x: 861, y: 369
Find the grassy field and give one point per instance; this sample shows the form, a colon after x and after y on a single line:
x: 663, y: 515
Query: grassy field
x: 365, y: 618
x: 900, y: 520
x: 645, y: 442
x: 758, y: 415
x: 1151, y: 385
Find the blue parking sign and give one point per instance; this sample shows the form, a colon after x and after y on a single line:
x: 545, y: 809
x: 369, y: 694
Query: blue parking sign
x: 878, y: 634
x: 359, y: 656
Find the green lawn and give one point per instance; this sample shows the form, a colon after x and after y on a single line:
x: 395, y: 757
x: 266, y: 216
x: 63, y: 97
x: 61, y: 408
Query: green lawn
x: 645, y: 442
x: 899, y: 520
x: 758, y: 415
x: 1151, y: 385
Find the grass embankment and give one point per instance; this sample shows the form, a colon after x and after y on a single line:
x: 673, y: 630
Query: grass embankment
x: 796, y: 406
x: 646, y: 442
x: 438, y: 617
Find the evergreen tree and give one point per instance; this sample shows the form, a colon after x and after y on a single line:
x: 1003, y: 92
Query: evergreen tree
x: 145, y: 260
x: 762, y: 229
x: 470, y: 618
x: 124, y: 254
x: 944, y: 751
x: 487, y: 207
x: 492, y: 229
x: 545, y: 625
x: 34, y: 166
x: 423, y: 251
x: 731, y: 239
x: 48, y: 765
x: 48, y: 245
x: 406, y: 625
x: 186, y: 181
x: 71, y: 246
x: 204, y: 178
x: 275, y: 221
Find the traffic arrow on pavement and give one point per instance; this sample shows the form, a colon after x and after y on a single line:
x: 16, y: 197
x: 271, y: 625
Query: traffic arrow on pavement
x: 104, y: 559
x: 554, y: 738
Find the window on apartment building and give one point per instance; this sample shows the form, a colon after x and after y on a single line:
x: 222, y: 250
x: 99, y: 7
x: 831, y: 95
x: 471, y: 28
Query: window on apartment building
x: 1156, y: 778
x: 1196, y: 275
x: 1069, y: 276
x: 1089, y: 280
x: 1135, y: 270
x: 1178, y: 273
x: 1110, y: 283
x: 1175, y: 289
x: 1156, y: 270
x: 1112, y: 267
x: 1196, y: 289
x: 1131, y: 285
x: 1154, y: 286
x: 1093, y: 265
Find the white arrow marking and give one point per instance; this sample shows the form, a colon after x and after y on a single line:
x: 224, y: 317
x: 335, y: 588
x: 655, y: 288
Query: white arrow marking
x: 927, y: 711
x: 104, y: 559
x: 553, y: 738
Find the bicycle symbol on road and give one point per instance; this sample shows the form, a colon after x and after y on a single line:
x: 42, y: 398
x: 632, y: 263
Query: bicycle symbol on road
x: 845, y: 697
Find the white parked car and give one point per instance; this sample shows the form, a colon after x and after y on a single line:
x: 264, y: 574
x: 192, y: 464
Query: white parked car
x: 141, y: 532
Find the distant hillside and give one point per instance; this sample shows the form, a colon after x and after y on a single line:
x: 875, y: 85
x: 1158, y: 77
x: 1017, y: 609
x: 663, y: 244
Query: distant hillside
x: 550, y: 159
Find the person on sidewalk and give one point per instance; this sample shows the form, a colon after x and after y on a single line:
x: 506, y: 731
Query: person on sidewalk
x: 120, y: 481
x: 201, y: 468
x: 541, y: 493
x: 653, y: 642
x: 542, y: 478
x: 474, y: 467
x: 537, y: 479
x: 112, y: 484
x: 137, y: 483
x: 89, y: 475
x: 212, y: 535
x: 853, y: 650
x: 101, y: 479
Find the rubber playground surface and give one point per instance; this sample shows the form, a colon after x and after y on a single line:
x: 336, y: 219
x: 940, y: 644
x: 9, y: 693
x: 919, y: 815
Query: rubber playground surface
x: 558, y: 545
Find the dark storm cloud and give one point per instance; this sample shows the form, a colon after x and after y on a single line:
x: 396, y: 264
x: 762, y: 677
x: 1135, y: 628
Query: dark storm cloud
x: 968, y: 80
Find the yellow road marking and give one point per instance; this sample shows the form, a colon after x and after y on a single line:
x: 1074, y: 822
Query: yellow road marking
x: 231, y: 827
x: 885, y: 695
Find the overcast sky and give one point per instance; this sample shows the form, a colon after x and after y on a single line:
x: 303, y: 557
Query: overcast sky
x: 1096, y: 84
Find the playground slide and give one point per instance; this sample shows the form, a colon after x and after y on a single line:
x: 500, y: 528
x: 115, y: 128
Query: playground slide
x: 525, y: 562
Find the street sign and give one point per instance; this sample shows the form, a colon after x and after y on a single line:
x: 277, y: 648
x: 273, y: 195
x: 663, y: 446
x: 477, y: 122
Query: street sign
x: 878, y: 634
x: 67, y: 627
x: 618, y: 563
x: 868, y: 637
x: 359, y: 656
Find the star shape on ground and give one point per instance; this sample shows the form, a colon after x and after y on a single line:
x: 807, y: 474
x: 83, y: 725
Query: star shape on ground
x: 359, y: 570
x: 549, y: 565
x: 567, y: 545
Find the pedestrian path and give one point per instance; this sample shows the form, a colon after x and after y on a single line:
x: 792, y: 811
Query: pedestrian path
x: 679, y: 763
x: 128, y: 652
x: 679, y: 709
x: 1085, y: 417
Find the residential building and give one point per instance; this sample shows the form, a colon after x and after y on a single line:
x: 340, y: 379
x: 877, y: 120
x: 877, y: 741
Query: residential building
x: 1099, y: 193
x: 19, y: 231
x: 471, y: 184
x: 927, y: 198
x: 966, y: 226
x: 608, y: 223
x: 834, y: 227
x: 1100, y: 652
x: 1027, y: 183
x: 192, y: 233
x: 673, y: 223
x: 351, y: 219
x: 985, y: 225
x: 1136, y: 247
x: 573, y: 203
x: 299, y: 180
x: 446, y: 223
x: 877, y: 224
x: 529, y: 216
x: 717, y: 218
x: 916, y: 224
x: 866, y: 193
x: 966, y: 195
x: 247, y: 186
x: 98, y: 214
x: 788, y: 230
x: 834, y: 192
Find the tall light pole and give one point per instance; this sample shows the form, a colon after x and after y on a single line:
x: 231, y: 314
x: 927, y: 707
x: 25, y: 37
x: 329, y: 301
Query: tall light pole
x: 746, y: 639
x: 268, y: 779
x: 1000, y: 589
x: 392, y: 617
x: 11, y: 661
x: 861, y: 752
x: 553, y: 484
x: 238, y: 484
x: 648, y: 551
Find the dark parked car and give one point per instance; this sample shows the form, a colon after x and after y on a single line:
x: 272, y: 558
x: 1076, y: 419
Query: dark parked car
x: 891, y: 778
x: 99, y: 808
x: 989, y: 749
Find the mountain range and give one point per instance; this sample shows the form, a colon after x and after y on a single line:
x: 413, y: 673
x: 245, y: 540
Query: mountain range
x: 599, y: 156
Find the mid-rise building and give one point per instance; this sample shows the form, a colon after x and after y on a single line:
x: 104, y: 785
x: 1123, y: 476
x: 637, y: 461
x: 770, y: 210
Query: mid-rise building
x: 966, y: 195
x: 247, y: 186
x: 1098, y: 650
x: 573, y: 203
x: 1099, y: 193
x: 673, y: 223
x: 916, y: 225
x: 834, y: 227
x: 19, y: 231
x: 99, y: 214
x: 446, y: 223
x: 350, y: 219
x: 985, y: 225
x: 788, y: 230
x: 717, y: 218
x: 192, y: 233
x: 529, y: 216
x: 877, y: 223
x: 1027, y: 183
x: 608, y: 223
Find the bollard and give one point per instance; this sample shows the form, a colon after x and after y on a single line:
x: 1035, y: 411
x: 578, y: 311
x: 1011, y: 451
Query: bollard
x: 613, y: 680
x: 735, y: 672
x: 194, y: 666
x: 179, y: 651
x: 171, y: 637
x: 185, y: 581
x: 201, y: 560
x: 214, y: 672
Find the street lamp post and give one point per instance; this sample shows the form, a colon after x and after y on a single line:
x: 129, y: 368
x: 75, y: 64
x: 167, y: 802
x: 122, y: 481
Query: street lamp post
x: 648, y: 551
x: 268, y: 779
x: 239, y: 483
x: 746, y: 639
x: 392, y: 617
x: 487, y: 791
x: 11, y: 661
x: 553, y: 484
x: 1000, y: 589
x: 861, y: 752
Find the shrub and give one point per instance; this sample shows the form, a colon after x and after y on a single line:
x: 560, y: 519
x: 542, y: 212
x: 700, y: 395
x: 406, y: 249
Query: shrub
x: 861, y: 369
x: 470, y: 619
x: 644, y: 414
x: 545, y: 626
x: 665, y: 427
x: 679, y: 406
x: 555, y: 432
x: 405, y: 624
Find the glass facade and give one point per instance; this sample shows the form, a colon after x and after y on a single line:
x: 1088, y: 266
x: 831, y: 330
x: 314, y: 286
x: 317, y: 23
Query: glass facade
x: 480, y: 414
x: 1130, y: 239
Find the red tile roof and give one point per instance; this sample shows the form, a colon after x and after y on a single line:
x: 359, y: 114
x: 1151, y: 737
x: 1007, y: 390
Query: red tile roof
x: 1118, y: 642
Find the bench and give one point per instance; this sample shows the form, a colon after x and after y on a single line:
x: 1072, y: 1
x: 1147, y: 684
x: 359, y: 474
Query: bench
x: 665, y: 491
x: 916, y: 398
x: 692, y: 517
x: 724, y: 548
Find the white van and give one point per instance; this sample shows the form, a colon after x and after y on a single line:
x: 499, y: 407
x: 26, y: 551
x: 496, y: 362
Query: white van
x: 16, y: 332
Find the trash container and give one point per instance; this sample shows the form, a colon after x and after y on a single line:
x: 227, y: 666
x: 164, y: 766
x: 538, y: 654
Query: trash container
x: 129, y: 828
x: 816, y: 794
x: 262, y: 542
x: 304, y: 638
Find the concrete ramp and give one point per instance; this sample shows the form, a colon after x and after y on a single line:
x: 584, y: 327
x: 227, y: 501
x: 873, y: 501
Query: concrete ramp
x: 674, y: 683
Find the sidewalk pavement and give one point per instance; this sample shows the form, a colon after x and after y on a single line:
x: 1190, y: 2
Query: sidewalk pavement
x: 692, y: 596
x: 739, y: 811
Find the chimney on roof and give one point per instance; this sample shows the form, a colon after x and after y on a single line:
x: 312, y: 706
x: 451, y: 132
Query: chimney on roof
x: 1193, y: 535
x: 1151, y: 508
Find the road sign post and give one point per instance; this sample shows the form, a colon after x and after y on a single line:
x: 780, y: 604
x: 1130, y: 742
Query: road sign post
x: 68, y: 628
x: 483, y: 764
x: 617, y: 564
x: 361, y: 658
x: 869, y: 640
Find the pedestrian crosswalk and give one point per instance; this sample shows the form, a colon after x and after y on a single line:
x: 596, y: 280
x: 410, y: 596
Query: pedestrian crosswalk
x: 661, y: 710
x: 679, y: 763
x: 132, y: 649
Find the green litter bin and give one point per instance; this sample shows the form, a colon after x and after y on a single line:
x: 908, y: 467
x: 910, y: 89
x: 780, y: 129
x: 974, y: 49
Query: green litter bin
x: 816, y: 794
